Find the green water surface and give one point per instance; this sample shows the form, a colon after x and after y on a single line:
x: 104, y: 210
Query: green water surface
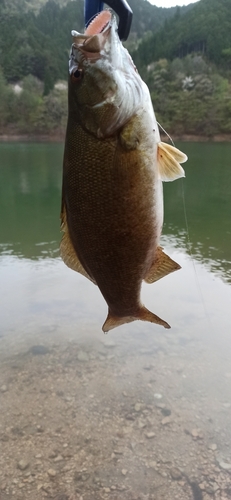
x: 197, y: 208
x: 89, y: 382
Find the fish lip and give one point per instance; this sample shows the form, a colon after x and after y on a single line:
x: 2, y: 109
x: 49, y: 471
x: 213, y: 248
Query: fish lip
x: 92, y: 46
x: 89, y: 47
x: 83, y: 56
x: 80, y: 39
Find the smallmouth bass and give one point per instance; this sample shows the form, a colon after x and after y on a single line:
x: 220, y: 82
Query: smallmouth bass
x: 113, y: 168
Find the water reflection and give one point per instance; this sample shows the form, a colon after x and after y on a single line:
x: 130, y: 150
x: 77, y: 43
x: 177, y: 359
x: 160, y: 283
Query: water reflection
x: 142, y: 413
x: 206, y: 195
x: 30, y: 186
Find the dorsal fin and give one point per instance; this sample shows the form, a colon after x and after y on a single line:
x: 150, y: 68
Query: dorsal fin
x: 169, y: 159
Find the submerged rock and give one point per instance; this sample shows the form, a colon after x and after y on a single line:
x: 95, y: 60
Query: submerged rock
x: 38, y: 350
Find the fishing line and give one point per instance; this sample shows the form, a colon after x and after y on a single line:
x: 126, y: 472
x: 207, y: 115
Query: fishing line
x: 166, y: 133
x: 188, y: 241
x: 189, y: 248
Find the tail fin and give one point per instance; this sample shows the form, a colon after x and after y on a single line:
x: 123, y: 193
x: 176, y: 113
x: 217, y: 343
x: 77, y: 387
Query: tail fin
x: 143, y: 314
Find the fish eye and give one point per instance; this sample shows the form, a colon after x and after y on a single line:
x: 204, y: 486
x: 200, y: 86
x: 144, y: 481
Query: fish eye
x: 77, y: 75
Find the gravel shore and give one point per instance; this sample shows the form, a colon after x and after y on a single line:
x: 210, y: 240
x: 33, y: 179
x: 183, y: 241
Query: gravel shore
x: 108, y: 417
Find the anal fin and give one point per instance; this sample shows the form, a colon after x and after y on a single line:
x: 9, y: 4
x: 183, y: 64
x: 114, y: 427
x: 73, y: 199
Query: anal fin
x: 162, y: 266
x: 142, y: 314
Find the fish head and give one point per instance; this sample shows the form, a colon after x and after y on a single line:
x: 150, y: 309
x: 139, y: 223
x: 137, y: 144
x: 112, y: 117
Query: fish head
x: 105, y: 89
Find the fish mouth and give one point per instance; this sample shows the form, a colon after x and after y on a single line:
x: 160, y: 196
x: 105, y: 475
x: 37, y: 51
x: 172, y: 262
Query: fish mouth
x: 93, y: 40
x: 99, y: 23
x: 88, y: 46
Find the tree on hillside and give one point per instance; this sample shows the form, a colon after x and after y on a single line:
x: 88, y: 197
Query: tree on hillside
x: 197, y: 31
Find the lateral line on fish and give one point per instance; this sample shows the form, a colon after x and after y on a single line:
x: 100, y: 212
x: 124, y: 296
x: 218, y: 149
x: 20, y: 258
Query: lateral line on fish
x: 189, y: 246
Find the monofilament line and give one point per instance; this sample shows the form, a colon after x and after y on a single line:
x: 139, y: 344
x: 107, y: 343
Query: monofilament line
x: 166, y: 133
x: 189, y: 248
x: 188, y: 241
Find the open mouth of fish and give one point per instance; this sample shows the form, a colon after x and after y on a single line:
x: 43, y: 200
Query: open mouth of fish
x: 91, y: 43
x: 92, y: 46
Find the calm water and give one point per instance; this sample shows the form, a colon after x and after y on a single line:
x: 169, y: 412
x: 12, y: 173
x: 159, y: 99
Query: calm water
x: 30, y: 186
x: 43, y: 302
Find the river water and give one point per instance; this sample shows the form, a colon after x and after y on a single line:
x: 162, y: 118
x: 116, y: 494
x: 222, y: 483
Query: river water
x: 130, y: 381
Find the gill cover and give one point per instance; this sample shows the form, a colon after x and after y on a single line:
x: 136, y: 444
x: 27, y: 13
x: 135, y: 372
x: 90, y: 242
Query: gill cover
x: 117, y: 90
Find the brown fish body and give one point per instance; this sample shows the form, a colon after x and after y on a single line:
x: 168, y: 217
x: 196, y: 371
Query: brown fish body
x: 110, y: 203
x: 112, y: 207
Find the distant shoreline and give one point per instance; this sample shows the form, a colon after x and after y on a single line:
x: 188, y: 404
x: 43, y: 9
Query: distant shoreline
x: 60, y: 138
x: 32, y: 138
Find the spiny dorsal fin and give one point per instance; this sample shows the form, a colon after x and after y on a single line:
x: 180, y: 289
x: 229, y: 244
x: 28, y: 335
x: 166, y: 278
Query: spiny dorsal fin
x: 169, y: 159
x: 162, y: 266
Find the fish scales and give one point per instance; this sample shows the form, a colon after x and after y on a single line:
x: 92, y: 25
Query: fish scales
x: 110, y: 215
x: 114, y: 164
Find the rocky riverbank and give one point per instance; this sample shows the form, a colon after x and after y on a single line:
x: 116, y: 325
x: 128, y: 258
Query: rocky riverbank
x: 103, y: 419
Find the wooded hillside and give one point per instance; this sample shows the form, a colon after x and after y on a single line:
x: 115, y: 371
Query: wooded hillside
x: 184, y: 55
x: 204, y: 29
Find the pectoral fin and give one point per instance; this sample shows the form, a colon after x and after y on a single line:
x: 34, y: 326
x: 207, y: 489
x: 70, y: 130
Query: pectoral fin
x: 162, y: 266
x: 142, y: 314
x: 68, y: 252
x: 169, y: 159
